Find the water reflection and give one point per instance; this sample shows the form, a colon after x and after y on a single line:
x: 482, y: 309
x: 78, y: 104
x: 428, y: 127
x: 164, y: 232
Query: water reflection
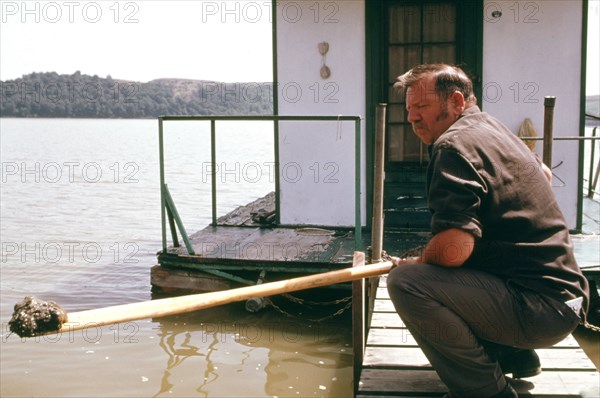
x: 176, y: 356
x: 270, y: 354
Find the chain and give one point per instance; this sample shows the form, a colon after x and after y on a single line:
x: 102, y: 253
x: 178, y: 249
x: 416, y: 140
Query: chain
x: 347, y: 300
x: 590, y: 326
x: 330, y: 316
x: 299, y: 300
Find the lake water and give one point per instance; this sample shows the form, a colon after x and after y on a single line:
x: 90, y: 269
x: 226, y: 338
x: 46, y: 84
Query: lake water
x: 80, y: 225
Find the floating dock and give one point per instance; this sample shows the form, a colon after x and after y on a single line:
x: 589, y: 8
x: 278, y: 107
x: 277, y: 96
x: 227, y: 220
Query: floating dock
x: 244, y: 248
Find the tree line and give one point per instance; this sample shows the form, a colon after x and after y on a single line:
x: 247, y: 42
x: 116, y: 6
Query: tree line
x: 78, y: 95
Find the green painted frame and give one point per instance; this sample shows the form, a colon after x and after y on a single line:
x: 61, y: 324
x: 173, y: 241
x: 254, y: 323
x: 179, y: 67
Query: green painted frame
x: 168, y: 205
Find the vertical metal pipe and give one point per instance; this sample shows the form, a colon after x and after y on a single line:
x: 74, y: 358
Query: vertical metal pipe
x: 359, y: 318
x: 276, y: 171
x: 275, y: 94
x: 161, y: 161
x: 213, y: 172
x: 379, y: 159
x: 591, y: 180
x: 549, y: 103
x: 595, y: 182
x: 357, y: 188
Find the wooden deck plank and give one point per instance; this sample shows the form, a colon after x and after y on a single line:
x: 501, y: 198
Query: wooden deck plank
x: 402, y: 382
x: 409, y: 357
x: 384, y: 305
x: 399, y: 395
x: 386, y: 320
x: 390, y: 337
x: 550, y: 358
x: 382, y: 292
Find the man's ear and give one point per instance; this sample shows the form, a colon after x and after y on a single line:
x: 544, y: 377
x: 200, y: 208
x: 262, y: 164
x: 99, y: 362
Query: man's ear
x: 457, y: 100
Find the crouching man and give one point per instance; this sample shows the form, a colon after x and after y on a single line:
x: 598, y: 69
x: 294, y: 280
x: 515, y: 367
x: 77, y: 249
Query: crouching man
x: 498, y: 277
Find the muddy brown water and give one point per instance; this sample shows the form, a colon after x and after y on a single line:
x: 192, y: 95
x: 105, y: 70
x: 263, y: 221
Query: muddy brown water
x: 81, y: 226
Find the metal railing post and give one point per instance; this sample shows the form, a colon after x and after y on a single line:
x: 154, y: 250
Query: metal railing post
x: 213, y: 171
x: 161, y: 160
x: 593, y: 180
x: 357, y: 187
x: 549, y: 103
x: 379, y: 159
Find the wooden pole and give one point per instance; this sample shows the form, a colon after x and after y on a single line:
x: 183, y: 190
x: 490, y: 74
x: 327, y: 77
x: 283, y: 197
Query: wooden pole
x: 549, y: 103
x: 379, y: 158
x: 177, y: 305
x: 358, y: 319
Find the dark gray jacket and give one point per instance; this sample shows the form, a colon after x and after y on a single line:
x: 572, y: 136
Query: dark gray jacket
x: 485, y: 180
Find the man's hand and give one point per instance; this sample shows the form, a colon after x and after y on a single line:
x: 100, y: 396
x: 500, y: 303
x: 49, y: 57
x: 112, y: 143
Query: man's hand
x: 406, y: 260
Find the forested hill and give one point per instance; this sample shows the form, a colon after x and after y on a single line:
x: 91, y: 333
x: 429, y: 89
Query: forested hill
x: 83, y: 96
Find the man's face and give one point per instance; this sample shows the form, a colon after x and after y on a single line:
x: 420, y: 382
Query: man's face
x: 427, y: 111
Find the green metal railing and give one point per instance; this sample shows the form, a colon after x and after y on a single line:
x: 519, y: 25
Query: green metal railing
x: 169, y: 211
x: 593, y: 176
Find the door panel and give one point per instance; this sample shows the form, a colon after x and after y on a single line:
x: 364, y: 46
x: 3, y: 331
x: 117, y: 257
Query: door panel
x: 400, y: 35
x: 417, y: 33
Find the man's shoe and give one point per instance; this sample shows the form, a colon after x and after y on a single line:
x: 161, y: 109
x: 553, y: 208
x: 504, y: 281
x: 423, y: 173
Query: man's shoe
x: 522, y: 363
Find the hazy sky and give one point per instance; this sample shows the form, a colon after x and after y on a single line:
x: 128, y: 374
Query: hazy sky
x: 148, y: 39
x: 138, y: 40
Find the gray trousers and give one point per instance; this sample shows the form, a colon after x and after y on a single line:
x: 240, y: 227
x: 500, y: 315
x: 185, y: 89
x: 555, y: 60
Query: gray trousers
x: 451, y: 311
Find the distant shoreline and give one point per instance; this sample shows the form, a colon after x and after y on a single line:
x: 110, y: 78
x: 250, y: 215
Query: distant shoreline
x: 80, y: 96
x: 51, y: 95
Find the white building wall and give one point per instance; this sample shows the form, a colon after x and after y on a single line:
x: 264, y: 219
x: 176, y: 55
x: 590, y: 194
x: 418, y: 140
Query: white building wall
x: 531, y: 51
x: 317, y: 159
